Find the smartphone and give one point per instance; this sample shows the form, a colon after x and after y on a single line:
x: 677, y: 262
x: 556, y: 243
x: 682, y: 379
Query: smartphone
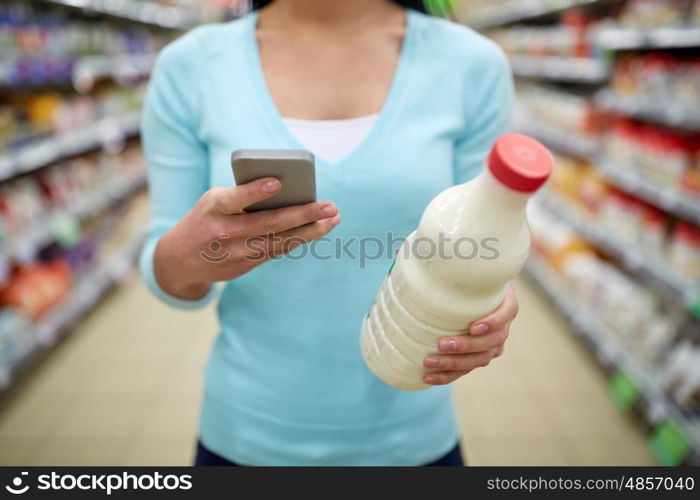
x: 295, y: 169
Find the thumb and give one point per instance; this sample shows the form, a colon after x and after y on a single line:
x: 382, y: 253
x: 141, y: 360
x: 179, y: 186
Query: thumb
x: 234, y: 199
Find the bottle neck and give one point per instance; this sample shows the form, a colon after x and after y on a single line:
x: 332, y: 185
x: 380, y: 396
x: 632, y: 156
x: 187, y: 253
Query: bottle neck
x: 493, y: 190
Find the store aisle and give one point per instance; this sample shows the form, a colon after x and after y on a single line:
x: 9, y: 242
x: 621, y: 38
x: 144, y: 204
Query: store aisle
x: 545, y: 401
x: 124, y: 389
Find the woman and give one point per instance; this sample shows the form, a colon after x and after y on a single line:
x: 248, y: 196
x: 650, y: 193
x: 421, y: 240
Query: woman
x: 397, y: 106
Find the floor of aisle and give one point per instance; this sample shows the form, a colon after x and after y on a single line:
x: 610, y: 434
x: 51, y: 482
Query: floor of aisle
x: 124, y: 389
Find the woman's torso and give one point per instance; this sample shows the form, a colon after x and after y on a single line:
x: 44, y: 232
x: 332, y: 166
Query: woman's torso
x: 285, y: 382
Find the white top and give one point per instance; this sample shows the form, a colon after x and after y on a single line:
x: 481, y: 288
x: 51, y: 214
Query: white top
x: 331, y: 140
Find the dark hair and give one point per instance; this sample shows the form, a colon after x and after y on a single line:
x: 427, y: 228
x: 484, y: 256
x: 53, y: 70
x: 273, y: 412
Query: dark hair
x: 409, y: 4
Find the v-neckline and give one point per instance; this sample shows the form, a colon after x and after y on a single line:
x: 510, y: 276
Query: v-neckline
x: 284, y: 137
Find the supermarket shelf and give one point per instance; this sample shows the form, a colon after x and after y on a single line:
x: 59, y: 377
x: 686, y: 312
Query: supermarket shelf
x: 573, y: 144
x: 87, y: 293
x: 147, y: 13
x: 105, y: 131
x: 668, y: 199
x: 666, y: 112
x: 88, y: 69
x: 518, y: 10
x: 561, y: 69
x: 610, y: 351
x: 41, y: 233
x: 649, y: 267
x: 561, y: 140
x: 116, y: 67
x: 618, y: 38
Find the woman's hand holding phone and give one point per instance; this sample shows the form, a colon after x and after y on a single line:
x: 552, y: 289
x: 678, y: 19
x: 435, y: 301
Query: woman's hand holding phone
x: 218, y: 241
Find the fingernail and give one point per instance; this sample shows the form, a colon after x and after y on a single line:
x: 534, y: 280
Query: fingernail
x: 431, y: 362
x: 431, y: 379
x: 334, y: 221
x: 271, y: 186
x: 448, y: 345
x: 328, y: 211
x: 479, y: 329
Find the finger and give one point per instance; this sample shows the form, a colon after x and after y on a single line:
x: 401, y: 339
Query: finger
x: 497, y: 319
x: 443, y: 378
x: 278, y: 244
x: 283, y: 219
x: 499, y: 351
x: 468, y: 343
x: 291, y: 239
x: 234, y: 199
x: 458, y: 362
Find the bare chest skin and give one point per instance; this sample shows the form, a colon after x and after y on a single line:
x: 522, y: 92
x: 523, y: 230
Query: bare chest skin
x: 330, y: 77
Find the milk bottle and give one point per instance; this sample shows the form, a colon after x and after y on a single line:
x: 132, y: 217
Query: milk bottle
x: 472, y: 240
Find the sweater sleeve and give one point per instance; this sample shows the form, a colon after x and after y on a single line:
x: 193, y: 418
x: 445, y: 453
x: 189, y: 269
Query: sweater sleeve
x: 489, y: 111
x: 177, y: 159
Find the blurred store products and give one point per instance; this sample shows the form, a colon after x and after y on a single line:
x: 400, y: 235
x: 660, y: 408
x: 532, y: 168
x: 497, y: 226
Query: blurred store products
x: 613, y: 86
x: 72, y: 209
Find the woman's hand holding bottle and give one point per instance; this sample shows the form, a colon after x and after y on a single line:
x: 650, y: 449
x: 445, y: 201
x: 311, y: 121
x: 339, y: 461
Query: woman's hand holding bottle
x: 460, y: 354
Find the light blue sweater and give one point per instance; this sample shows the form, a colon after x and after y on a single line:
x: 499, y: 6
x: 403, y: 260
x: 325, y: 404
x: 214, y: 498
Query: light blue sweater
x: 285, y: 382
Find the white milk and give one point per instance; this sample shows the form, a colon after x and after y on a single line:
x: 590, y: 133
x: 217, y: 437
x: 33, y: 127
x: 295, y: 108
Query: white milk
x: 471, y: 241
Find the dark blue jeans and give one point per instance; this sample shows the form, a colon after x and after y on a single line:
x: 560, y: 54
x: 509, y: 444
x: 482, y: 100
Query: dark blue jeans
x: 206, y: 458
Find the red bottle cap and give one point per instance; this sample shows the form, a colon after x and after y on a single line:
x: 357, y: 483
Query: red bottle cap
x: 520, y: 162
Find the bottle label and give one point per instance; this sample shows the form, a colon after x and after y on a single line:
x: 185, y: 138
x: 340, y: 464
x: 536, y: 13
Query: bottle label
x: 391, y: 267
